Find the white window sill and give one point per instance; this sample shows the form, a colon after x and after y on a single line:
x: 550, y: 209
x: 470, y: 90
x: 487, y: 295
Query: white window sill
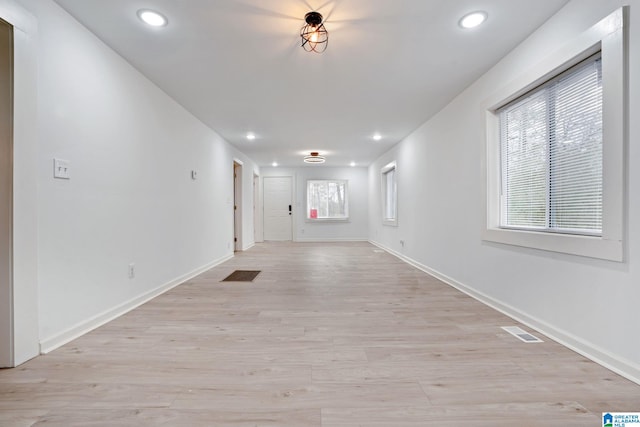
x: 588, y: 246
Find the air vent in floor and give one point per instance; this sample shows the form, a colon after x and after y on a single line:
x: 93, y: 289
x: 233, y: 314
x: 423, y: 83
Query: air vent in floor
x: 522, y: 335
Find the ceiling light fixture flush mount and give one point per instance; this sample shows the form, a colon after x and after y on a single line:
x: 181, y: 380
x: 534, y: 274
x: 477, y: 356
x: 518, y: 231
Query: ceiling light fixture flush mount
x: 314, y: 157
x: 314, y: 35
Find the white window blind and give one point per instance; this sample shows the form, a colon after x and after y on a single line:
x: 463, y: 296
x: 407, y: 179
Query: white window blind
x: 551, y: 154
x: 327, y: 199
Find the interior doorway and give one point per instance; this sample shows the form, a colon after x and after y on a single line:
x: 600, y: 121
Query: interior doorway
x: 237, y: 206
x: 6, y: 194
x: 278, y: 208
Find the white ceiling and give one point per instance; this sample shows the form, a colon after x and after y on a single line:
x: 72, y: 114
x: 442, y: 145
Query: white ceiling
x: 238, y: 66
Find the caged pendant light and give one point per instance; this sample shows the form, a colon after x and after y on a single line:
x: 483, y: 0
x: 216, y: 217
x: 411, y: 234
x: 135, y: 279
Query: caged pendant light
x: 314, y: 35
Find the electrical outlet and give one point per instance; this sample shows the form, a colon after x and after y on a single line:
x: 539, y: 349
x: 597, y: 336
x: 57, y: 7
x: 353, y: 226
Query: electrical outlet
x: 132, y: 271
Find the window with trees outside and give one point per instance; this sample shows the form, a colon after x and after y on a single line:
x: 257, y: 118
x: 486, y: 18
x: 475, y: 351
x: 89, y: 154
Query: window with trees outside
x: 551, y: 154
x: 327, y: 200
x: 555, y: 144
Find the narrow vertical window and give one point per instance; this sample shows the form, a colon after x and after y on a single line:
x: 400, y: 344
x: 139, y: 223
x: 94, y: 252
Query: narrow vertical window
x: 389, y: 195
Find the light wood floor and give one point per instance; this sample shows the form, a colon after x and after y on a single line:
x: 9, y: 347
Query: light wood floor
x: 328, y: 335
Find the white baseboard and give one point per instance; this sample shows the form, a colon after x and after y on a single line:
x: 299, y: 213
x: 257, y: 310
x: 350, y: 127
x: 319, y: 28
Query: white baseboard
x: 50, y: 344
x: 329, y: 240
x: 620, y: 366
x: 249, y: 246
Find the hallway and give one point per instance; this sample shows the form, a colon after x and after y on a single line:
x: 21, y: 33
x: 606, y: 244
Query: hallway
x: 335, y: 335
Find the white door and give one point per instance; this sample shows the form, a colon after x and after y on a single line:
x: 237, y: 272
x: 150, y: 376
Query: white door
x: 277, y: 208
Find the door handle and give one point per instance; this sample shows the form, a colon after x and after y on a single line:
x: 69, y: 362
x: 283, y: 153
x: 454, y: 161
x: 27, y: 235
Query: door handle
x: 289, y: 209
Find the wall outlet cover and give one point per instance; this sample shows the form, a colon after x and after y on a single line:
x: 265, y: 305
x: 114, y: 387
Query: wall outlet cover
x: 61, y: 169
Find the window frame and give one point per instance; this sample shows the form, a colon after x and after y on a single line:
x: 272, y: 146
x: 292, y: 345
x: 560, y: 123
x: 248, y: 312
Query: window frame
x: 608, y: 37
x: 390, y: 167
x: 346, y: 201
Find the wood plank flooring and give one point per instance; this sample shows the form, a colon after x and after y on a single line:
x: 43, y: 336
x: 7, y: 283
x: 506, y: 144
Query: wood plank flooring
x: 332, y: 335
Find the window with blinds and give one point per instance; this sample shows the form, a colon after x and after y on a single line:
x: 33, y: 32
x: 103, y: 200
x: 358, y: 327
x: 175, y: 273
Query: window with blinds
x: 551, y: 154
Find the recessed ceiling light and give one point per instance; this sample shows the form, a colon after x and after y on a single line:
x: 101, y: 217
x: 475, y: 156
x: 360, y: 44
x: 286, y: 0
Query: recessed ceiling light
x: 274, y: 164
x: 377, y: 137
x: 352, y: 164
x: 473, y: 19
x: 152, y: 18
x: 251, y: 136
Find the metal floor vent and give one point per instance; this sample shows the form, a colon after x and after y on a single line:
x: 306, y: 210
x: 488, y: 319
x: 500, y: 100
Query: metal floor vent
x: 241, y: 276
x: 522, y: 335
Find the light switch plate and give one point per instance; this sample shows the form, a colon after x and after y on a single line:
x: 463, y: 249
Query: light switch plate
x: 61, y: 169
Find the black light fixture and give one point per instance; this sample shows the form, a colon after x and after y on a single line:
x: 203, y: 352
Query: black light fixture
x: 314, y: 35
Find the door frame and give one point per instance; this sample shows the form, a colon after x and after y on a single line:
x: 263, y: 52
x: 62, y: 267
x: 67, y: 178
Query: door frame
x: 24, y: 290
x: 257, y: 212
x: 6, y: 196
x: 237, y: 205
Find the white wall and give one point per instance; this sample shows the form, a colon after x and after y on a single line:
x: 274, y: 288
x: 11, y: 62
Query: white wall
x: 356, y: 228
x: 591, y: 305
x: 130, y: 198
